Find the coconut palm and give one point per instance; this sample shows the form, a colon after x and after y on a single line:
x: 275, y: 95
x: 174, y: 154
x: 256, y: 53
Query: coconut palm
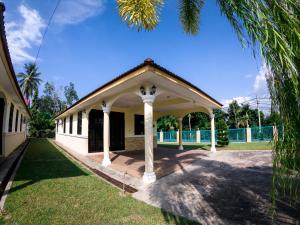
x: 273, y: 28
x: 29, y: 81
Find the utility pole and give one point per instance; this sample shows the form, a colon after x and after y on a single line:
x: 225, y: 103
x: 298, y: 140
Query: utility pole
x: 258, y: 113
x: 190, y: 116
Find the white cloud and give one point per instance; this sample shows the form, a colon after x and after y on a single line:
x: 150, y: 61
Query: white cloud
x: 239, y: 99
x: 260, y: 84
x: 22, y: 35
x: 76, y: 11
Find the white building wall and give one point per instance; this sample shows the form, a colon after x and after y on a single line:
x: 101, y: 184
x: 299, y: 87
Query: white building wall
x: 13, y: 139
x: 74, y: 142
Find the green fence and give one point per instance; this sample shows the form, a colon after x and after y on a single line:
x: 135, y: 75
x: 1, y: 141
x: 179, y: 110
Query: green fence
x: 170, y: 136
x: 189, y: 136
x: 237, y: 135
x: 262, y: 134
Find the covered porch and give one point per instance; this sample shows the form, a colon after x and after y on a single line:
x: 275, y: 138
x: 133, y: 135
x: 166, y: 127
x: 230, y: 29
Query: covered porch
x: 122, y: 115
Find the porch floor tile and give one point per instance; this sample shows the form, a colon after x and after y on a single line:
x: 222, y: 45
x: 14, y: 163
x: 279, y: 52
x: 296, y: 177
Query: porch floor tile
x: 166, y: 161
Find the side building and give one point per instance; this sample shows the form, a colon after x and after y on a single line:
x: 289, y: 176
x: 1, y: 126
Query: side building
x: 14, y: 113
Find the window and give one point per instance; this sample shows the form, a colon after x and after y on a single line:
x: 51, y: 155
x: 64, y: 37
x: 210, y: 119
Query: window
x: 79, y: 123
x: 17, y: 120
x: 138, y: 124
x: 11, y: 114
x: 64, y: 124
x: 71, y: 125
x: 57, y: 121
x: 21, y: 122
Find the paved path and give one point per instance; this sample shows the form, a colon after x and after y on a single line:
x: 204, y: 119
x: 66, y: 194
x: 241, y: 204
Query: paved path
x: 223, y: 188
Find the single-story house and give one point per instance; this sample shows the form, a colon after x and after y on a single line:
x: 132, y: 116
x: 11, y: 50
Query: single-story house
x: 122, y: 114
x: 13, y: 108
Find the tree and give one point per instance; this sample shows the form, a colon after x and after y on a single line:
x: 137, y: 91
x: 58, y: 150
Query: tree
x: 50, y: 101
x: 272, y: 27
x: 70, y: 94
x: 234, y: 114
x: 29, y: 81
x: 167, y: 123
x: 222, y: 133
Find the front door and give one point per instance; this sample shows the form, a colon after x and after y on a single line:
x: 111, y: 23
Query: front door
x: 117, y: 131
x: 1, y: 123
x: 95, y: 131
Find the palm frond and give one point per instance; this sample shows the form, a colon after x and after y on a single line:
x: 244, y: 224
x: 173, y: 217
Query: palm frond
x: 190, y: 15
x: 142, y: 14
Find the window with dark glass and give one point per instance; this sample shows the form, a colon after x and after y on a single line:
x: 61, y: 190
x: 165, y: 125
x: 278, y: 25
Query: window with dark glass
x: 11, y: 114
x: 71, y: 125
x: 138, y: 124
x: 79, y: 123
x: 21, y: 122
x: 17, y: 120
x: 64, y: 124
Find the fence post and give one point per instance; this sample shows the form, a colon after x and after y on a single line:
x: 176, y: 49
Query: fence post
x: 248, y: 135
x: 198, y: 139
x: 275, y: 134
x: 161, y: 136
x: 177, y: 137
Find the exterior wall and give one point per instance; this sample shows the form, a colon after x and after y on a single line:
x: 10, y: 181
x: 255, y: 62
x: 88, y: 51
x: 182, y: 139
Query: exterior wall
x: 79, y: 143
x: 76, y: 143
x: 12, y: 141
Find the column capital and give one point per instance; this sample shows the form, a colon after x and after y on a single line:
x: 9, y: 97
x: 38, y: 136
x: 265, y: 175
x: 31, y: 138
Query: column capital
x: 179, y: 119
x: 211, y: 116
x: 148, y: 98
x: 106, y: 109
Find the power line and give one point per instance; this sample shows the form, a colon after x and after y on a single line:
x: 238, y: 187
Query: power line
x: 47, y: 27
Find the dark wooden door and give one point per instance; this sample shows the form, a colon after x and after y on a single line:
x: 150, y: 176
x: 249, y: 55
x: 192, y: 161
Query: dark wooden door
x: 95, y: 131
x: 1, y: 123
x: 117, y: 131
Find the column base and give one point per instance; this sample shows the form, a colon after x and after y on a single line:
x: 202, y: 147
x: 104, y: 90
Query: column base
x: 213, y: 149
x: 149, y: 178
x: 181, y: 147
x: 106, y: 162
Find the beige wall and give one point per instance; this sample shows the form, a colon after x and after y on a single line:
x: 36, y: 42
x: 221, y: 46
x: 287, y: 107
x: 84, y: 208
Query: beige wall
x: 12, y: 141
x: 79, y: 143
x: 76, y: 143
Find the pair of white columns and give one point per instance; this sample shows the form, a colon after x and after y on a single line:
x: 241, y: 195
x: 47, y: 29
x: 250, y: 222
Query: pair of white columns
x: 212, y: 127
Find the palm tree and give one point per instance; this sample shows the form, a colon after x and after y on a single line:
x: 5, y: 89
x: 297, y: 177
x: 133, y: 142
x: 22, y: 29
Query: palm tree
x: 273, y: 28
x: 29, y: 81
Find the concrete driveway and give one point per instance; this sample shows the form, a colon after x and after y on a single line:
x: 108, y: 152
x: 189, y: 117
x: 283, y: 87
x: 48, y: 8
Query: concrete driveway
x: 223, y: 188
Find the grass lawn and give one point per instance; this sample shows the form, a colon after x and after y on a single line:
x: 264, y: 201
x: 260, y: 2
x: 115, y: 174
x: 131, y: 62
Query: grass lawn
x: 231, y: 146
x: 51, y: 189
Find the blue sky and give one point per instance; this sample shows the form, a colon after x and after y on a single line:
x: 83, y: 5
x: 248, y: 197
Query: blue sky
x: 88, y: 44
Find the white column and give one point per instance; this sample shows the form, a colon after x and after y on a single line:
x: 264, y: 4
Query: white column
x: 149, y: 175
x: 180, y: 134
x: 198, y: 136
x: 106, y: 136
x: 212, y: 129
x: 248, y: 135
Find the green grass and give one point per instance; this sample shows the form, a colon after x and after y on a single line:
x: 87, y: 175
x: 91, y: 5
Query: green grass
x: 51, y: 189
x: 231, y: 146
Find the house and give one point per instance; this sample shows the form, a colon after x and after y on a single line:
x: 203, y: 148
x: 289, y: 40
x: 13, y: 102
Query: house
x: 13, y: 109
x: 122, y: 114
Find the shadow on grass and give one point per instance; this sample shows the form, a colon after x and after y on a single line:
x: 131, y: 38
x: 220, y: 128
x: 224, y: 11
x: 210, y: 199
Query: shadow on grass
x: 43, y: 161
